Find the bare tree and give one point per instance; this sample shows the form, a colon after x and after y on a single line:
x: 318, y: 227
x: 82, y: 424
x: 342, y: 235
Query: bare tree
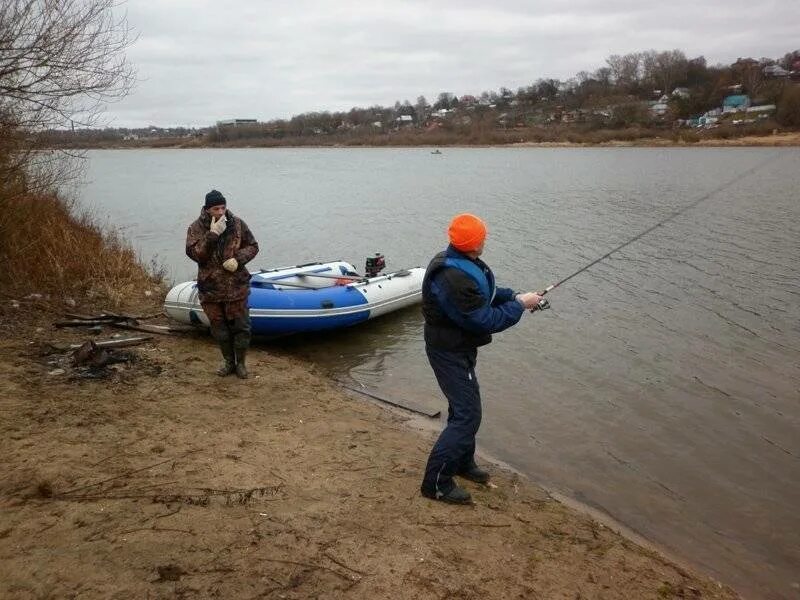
x: 422, y: 108
x: 750, y: 73
x: 664, y: 70
x: 625, y: 70
x: 61, y: 62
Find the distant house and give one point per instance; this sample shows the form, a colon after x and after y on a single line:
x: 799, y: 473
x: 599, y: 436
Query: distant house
x: 735, y: 102
x: 681, y: 92
x: 236, y: 122
x: 762, y: 109
x: 404, y: 120
x: 573, y: 116
x: 775, y: 71
x: 659, y: 109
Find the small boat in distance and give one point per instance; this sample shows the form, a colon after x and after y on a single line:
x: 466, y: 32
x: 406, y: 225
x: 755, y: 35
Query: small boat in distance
x: 437, y: 151
x: 310, y: 297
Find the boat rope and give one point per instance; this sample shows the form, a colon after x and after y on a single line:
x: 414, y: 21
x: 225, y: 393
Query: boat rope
x: 545, y: 304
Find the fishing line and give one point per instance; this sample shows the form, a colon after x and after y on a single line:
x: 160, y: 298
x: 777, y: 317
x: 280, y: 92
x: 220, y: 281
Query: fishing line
x: 543, y: 304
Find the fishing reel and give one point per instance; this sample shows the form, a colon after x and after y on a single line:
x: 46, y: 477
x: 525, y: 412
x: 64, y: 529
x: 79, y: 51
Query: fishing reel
x: 543, y: 304
x: 375, y: 264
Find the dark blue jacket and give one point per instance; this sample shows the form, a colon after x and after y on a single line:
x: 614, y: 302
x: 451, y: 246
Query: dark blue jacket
x: 461, y: 304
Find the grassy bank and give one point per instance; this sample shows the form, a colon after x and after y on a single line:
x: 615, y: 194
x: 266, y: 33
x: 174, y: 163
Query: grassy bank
x: 54, y: 254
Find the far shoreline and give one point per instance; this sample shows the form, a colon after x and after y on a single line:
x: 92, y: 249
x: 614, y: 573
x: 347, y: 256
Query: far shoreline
x: 777, y: 140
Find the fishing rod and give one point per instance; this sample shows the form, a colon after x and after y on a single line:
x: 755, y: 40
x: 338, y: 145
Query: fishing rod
x: 544, y: 304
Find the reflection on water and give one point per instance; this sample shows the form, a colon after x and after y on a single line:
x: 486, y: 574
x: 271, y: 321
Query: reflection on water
x: 368, y: 356
x: 662, y: 387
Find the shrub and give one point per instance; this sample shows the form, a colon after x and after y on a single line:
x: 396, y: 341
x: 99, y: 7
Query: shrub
x: 46, y: 249
x: 789, y: 107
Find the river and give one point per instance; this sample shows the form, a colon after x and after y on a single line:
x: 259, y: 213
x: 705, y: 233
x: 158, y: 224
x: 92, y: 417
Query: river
x: 662, y: 388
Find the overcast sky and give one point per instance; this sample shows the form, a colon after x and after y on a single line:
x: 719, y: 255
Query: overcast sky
x: 199, y: 61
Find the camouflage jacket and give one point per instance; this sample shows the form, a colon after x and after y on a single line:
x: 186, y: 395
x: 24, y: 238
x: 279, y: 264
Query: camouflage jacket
x: 209, y: 251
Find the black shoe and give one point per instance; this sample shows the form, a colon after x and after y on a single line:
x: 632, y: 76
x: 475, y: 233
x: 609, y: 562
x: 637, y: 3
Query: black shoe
x: 475, y: 474
x: 456, y: 495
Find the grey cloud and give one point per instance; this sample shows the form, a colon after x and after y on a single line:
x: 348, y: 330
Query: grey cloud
x: 201, y: 61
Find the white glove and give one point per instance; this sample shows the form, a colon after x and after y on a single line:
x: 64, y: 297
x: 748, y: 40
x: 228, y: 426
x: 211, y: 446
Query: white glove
x: 218, y: 225
x: 230, y: 265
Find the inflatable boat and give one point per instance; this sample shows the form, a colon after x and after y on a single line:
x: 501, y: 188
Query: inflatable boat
x: 310, y: 297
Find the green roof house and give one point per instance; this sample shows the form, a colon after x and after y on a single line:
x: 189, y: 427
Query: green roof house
x: 735, y: 102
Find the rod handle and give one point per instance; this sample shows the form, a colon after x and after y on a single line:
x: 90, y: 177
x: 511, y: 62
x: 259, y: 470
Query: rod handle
x: 543, y: 304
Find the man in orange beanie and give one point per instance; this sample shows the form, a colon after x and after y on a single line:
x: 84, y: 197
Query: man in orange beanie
x: 462, y: 309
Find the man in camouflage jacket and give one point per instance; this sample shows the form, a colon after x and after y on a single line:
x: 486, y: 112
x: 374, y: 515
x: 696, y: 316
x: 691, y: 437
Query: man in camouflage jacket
x: 221, y: 244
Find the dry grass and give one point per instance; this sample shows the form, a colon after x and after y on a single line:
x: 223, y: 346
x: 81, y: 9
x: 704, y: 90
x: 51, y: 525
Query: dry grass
x: 48, y: 249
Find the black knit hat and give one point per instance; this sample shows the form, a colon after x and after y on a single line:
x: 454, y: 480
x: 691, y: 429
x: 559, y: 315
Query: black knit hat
x: 214, y: 198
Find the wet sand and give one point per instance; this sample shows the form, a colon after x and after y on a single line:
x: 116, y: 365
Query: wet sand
x: 165, y: 480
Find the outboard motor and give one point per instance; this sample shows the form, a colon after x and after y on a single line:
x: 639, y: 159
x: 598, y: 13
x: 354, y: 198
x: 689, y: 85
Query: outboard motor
x: 375, y: 264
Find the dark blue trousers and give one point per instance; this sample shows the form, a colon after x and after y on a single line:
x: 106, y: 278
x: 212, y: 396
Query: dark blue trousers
x: 454, y: 451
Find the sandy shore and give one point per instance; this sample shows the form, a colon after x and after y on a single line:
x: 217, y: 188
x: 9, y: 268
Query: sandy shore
x: 166, y: 481
x: 778, y: 140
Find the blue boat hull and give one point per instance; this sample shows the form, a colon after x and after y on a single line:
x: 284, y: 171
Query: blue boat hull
x: 317, y: 297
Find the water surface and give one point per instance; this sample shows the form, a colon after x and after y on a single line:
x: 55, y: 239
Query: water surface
x: 664, y: 385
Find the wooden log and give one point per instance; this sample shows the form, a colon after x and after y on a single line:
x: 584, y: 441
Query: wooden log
x: 88, y: 317
x: 108, y: 313
x: 118, y: 343
x: 84, y: 323
x: 123, y: 322
x: 160, y: 329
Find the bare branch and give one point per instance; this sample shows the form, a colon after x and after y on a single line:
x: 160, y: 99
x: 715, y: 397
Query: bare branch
x: 61, y: 62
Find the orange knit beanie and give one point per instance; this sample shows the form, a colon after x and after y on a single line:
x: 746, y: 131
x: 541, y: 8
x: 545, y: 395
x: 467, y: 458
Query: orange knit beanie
x: 466, y: 232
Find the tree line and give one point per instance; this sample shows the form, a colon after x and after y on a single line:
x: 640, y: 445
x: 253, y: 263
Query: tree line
x: 618, y: 92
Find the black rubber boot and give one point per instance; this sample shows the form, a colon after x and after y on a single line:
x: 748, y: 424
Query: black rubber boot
x: 241, y: 342
x: 476, y: 474
x: 228, y: 366
x: 457, y: 495
x: 241, y: 367
x: 225, y: 342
